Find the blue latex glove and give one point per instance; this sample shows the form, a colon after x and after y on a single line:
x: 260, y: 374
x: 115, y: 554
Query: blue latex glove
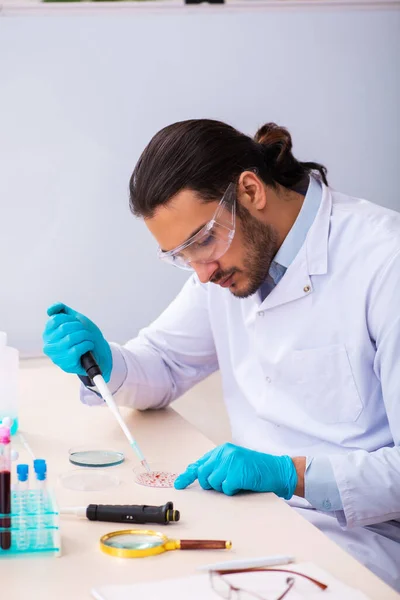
x: 230, y: 469
x: 68, y: 335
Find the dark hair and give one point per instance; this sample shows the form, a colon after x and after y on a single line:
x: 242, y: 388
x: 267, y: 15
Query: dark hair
x: 205, y: 156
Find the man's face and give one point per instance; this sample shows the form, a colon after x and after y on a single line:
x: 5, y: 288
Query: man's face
x: 245, y: 264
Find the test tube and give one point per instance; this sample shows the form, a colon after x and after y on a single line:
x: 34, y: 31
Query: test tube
x: 5, y: 486
x: 41, y: 501
x: 21, y: 508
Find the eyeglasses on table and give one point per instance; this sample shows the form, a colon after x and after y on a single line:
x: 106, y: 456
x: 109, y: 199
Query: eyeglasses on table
x: 225, y: 589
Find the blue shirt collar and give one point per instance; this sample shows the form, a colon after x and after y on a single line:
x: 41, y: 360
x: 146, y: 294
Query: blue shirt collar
x: 298, y: 233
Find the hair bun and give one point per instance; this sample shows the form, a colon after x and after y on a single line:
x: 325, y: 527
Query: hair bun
x: 276, y: 138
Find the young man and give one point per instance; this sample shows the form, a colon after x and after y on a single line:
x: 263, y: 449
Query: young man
x: 295, y: 298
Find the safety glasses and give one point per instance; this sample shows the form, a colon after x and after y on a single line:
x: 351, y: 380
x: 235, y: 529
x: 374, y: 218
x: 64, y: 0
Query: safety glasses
x: 212, y: 241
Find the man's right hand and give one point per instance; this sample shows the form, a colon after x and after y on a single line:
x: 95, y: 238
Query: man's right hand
x: 68, y: 335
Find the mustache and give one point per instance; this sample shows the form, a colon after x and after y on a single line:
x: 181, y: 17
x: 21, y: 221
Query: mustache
x: 221, y: 275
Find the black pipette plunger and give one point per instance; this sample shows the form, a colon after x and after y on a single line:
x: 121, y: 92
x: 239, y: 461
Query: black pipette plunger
x: 90, y: 365
x: 128, y: 513
x: 133, y: 514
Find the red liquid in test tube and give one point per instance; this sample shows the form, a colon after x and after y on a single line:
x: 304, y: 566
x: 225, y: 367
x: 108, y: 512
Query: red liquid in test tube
x: 5, y: 486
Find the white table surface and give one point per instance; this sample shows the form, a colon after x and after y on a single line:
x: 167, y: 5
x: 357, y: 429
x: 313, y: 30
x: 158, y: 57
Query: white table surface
x: 53, y: 420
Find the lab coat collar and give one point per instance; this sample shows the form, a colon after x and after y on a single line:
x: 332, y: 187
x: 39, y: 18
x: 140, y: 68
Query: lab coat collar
x: 296, y: 237
x: 316, y: 244
x: 312, y: 259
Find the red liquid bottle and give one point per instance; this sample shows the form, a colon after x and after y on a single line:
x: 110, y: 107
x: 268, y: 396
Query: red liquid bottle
x: 5, y: 486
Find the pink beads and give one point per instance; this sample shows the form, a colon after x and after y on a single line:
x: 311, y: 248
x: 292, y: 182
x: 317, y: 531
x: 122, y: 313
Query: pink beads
x: 161, y: 479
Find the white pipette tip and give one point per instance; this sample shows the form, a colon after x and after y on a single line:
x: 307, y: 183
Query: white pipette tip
x: 145, y: 464
x: 78, y: 511
x: 108, y: 398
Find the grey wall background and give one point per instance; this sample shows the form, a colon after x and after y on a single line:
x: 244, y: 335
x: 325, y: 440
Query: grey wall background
x: 82, y: 94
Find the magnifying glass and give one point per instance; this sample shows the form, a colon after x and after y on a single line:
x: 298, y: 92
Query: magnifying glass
x: 137, y: 543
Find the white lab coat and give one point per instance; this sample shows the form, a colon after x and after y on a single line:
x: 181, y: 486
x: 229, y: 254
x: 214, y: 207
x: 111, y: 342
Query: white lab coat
x: 313, y: 370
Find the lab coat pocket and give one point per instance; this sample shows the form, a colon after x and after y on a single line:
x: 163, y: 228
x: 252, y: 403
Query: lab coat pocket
x: 321, y: 381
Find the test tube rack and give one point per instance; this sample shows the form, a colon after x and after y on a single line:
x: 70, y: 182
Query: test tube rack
x: 35, y: 525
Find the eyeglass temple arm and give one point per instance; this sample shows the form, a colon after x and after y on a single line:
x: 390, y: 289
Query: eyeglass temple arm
x: 321, y: 585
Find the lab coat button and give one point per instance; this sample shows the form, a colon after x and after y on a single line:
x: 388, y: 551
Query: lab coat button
x: 261, y: 313
x: 268, y: 379
x: 306, y: 288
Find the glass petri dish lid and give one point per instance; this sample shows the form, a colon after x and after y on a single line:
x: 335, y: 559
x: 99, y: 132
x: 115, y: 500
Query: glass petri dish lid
x: 94, y: 456
x: 88, y: 480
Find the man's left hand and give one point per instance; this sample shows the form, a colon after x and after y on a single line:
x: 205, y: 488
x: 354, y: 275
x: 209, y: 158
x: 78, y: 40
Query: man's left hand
x: 230, y: 469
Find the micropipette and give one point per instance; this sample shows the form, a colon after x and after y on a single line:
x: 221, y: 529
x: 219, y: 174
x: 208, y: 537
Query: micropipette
x: 94, y: 373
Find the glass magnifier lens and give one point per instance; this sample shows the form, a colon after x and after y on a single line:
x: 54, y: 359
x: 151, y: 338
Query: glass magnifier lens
x: 133, y: 543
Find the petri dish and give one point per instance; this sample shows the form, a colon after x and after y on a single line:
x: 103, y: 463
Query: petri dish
x: 94, y: 456
x: 88, y: 480
x: 161, y: 475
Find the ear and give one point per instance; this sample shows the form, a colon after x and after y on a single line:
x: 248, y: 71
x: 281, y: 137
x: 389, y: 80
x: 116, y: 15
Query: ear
x: 252, y: 192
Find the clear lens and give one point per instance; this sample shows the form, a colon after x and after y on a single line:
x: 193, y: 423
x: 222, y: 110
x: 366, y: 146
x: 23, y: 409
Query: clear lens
x: 211, y: 249
x: 221, y: 587
x: 245, y: 595
x: 132, y: 541
x: 212, y: 241
x: 263, y: 585
x: 178, y: 261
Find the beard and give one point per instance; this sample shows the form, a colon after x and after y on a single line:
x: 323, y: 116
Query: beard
x: 260, y: 243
